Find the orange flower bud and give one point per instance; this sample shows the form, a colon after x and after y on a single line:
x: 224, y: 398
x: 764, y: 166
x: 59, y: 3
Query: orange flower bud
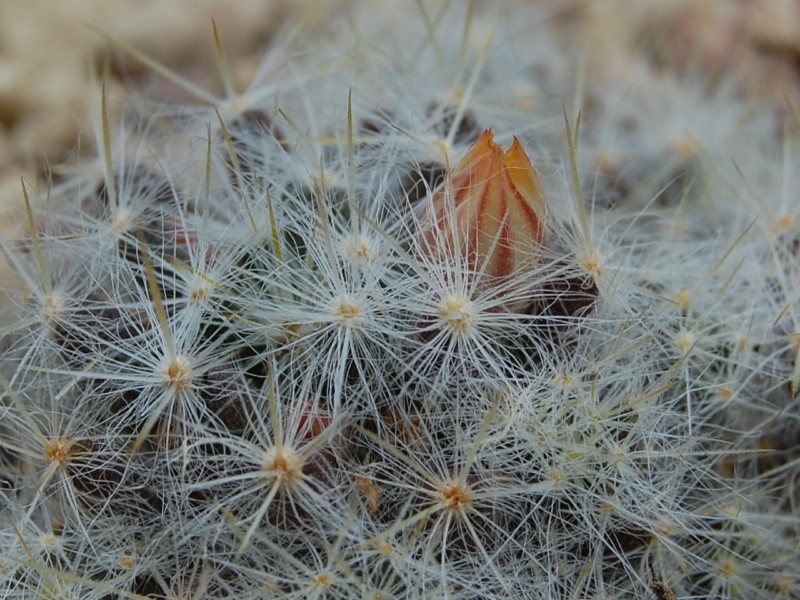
x: 490, y: 210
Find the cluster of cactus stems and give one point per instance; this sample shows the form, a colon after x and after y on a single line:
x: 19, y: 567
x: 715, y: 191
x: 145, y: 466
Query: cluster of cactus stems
x: 396, y: 322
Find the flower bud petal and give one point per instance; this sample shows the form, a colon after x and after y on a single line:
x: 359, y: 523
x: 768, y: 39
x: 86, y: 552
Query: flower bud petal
x: 490, y: 211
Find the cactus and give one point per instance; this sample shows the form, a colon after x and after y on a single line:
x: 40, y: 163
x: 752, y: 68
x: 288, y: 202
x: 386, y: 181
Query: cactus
x: 327, y: 338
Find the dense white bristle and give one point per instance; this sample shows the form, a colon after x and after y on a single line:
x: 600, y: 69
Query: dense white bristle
x: 237, y: 369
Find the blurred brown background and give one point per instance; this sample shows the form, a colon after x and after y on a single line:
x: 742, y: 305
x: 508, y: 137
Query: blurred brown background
x: 47, y: 54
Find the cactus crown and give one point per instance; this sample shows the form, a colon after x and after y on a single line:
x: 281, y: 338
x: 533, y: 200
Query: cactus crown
x: 328, y: 339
